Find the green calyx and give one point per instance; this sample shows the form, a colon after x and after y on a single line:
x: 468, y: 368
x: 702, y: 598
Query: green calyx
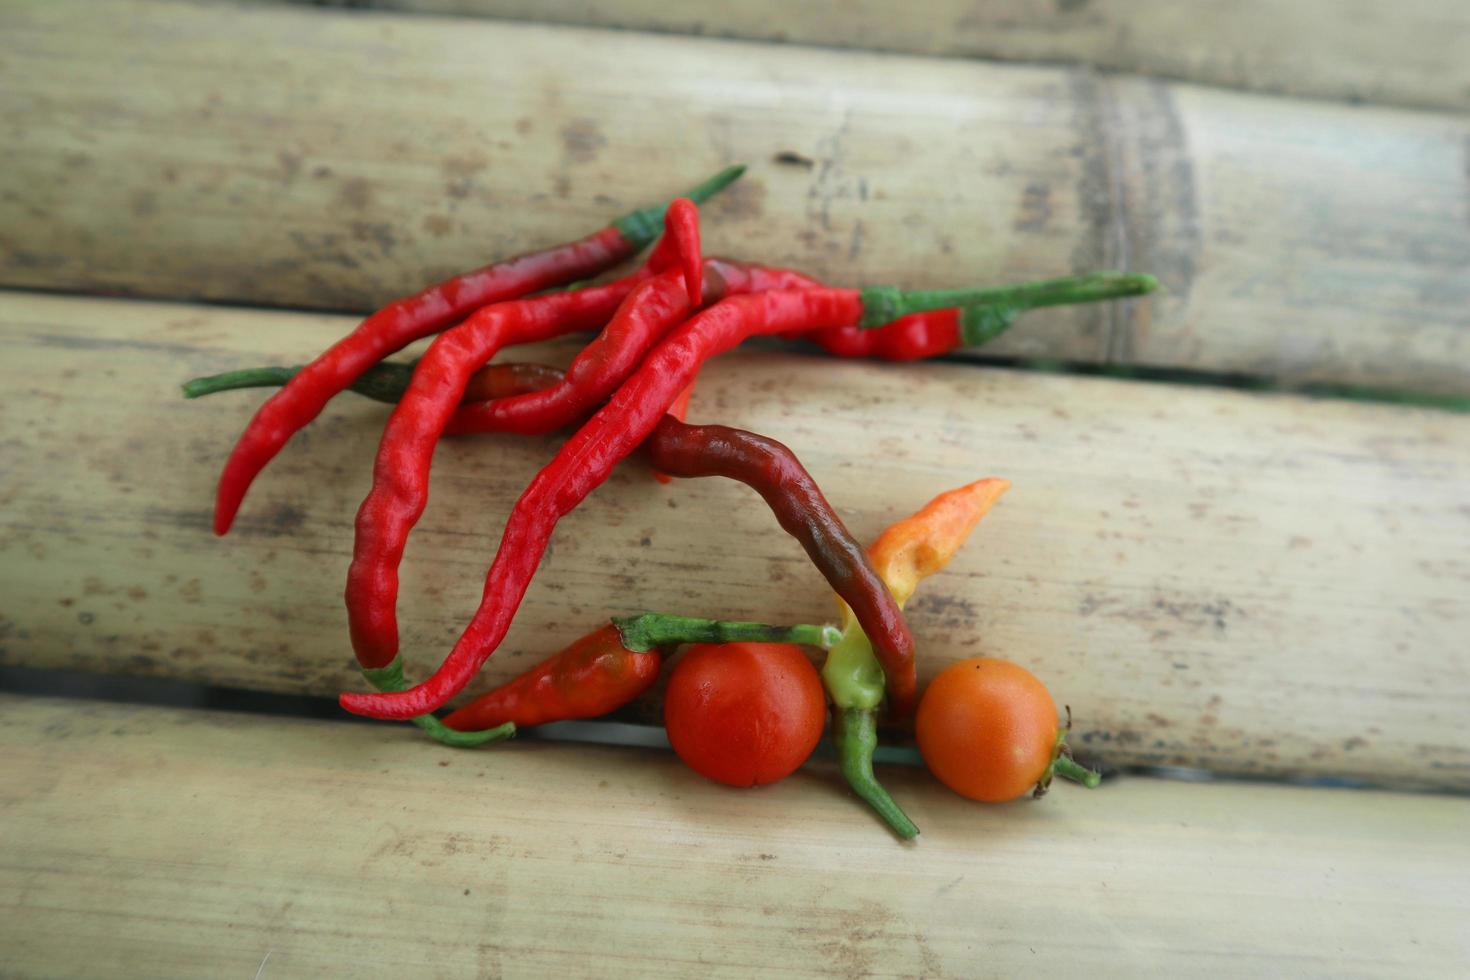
x: 648, y: 631
x: 852, y: 675
x: 642, y: 226
x: 1062, y: 764
x: 855, y: 734
x: 385, y: 382
x: 390, y: 679
x: 988, y: 312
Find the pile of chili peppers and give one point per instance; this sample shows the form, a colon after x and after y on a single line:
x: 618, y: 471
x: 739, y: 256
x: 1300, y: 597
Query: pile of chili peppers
x: 626, y: 392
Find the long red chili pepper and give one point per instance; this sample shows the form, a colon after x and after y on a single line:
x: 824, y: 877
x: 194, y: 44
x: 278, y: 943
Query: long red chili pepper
x: 585, y: 461
x: 400, y: 323
x: 400, y: 476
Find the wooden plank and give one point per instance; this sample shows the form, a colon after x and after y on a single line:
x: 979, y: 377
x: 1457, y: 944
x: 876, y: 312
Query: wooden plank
x: 187, y: 843
x: 1412, y: 53
x: 1239, y: 582
x: 215, y: 152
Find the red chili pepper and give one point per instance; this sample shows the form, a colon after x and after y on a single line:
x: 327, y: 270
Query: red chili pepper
x: 400, y: 476
x: 989, y: 314
x: 400, y: 487
x: 606, y: 669
x: 912, y: 338
x: 593, y: 676
x: 406, y: 320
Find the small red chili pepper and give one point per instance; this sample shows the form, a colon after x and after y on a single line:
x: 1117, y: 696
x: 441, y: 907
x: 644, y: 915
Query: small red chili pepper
x: 916, y: 336
x: 989, y: 314
x: 593, y: 676
x: 606, y: 669
x: 400, y: 323
x: 581, y: 465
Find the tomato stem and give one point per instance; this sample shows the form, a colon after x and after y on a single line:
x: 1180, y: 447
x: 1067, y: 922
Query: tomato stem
x: 1070, y: 768
x: 390, y: 678
x: 855, y: 732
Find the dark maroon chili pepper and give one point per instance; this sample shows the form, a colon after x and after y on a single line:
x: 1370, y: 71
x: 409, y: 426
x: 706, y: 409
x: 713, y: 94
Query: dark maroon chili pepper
x: 773, y: 471
x: 400, y: 323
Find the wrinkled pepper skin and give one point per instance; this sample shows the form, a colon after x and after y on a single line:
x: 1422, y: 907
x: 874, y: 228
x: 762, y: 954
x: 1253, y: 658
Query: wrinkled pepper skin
x: 403, y: 321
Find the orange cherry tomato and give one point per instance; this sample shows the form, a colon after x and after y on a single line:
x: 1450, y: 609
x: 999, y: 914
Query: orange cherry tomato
x: 987, y: 729
x: 744, y: 714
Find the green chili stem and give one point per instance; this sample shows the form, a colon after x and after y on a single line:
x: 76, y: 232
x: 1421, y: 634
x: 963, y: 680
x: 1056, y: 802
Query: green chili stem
x: 1072, y: 769
x: 650, y: 630
x: 855, y: 733
x: 390, y: 678
x: 642, y: 226
x: 884, y: 304
x: 262, y: 377
x: 383, y: 382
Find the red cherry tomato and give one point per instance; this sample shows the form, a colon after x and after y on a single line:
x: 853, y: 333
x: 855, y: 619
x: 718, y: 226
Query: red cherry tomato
x: 987, y: 729
x: 744, y: 714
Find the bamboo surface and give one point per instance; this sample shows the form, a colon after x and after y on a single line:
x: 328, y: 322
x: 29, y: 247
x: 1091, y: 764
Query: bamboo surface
x: 168, y: 843
x: 1407, y: 53
x: 1256, y: 584
x: 178, y: 150
x: 1246, y: 583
